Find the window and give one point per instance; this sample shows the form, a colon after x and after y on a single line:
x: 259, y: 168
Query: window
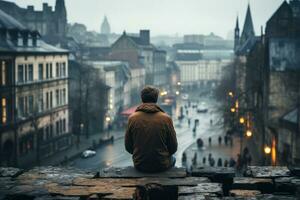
x: 64, y: 69
x: 3, y: 73
x: 47, y: 100
x: 30, y: 72
x: 64, y: 97
x: 64, y: 125
x: 26, y: 73
x: 57, y: 97
x: 21, y: 106
x: 57, y: 128
x: 47, y: 71
x: 57, y: 70
x: 51, y: 100
x: 25, y: 106
x: 4, y: 111
x: 20, y: 74
x: 51, y: 70
x: 30, y: 104
x: 41, y: 71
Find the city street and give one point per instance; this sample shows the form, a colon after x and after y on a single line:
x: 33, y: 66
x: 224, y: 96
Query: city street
x: 115, y: 154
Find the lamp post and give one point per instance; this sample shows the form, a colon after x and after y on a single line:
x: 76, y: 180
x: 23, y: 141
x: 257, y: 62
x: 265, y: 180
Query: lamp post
x: 108, y: 119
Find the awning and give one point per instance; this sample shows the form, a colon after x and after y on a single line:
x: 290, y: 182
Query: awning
x: 129, y: 111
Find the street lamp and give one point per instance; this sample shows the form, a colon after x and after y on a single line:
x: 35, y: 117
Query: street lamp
x: 108, y: 119
x: 230, y: 94
x: 177, y: 92
x: 178, y: 83
x: 232, y: 110
x: 267, y: 150
x: 248, y: 133
x: 242, y: 120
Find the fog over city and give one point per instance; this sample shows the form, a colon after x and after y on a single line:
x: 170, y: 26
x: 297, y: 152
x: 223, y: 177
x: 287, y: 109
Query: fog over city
x: 164, y: 17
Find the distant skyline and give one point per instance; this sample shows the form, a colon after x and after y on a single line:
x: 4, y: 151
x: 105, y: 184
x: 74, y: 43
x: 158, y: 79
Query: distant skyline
x: 165, y: 17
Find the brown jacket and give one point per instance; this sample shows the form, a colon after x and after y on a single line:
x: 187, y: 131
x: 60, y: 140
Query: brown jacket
x: 150, y: 138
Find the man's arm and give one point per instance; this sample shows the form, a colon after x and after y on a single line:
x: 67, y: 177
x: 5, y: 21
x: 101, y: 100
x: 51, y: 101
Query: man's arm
x: 128, y: 139
x: 172, y: 143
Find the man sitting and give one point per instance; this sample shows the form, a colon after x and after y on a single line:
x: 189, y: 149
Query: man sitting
x: 150, y: 136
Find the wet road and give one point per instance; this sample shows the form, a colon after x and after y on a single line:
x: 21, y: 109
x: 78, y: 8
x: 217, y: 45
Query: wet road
x: 115, y: 154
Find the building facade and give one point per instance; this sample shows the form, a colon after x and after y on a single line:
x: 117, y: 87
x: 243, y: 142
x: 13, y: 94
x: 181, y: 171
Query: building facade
x: 50, y: 23
x: 34, y: 104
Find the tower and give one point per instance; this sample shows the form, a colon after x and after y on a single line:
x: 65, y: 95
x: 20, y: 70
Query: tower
x: 248, y: 30
x: 105, y: 27
x: 61, y: 17
x: 236, y: 35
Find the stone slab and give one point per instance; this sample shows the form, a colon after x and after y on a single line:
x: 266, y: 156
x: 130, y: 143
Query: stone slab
x: 10, y: 171
x: 214, y: 188
x: 264, y: 185
x: 267, y: 171
x: 214, y: 172
x: 129, y: 182
x: 131, y: 172
x: 244, y: 193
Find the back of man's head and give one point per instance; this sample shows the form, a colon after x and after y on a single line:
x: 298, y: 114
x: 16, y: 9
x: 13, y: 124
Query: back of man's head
x: 149, y: 94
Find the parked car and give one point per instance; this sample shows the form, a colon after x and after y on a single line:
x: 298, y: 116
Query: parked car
x: 88, y: 153
x: 202, y: 110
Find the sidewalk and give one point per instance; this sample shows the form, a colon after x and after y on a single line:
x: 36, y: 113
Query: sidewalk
x: 75, y: 151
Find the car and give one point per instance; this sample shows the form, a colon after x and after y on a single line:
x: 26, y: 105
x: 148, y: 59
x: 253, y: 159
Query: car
x: 202, y: 110
x: 88, y: 153
x: 185, y: 96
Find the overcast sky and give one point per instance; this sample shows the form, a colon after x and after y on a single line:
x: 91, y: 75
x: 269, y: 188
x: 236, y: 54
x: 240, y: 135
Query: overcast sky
x: 165, y: 16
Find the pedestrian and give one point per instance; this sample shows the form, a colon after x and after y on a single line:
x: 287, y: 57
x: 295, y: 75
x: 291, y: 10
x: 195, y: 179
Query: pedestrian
x: 231, y: 141
x: 209, y: 157
x: 211, y: 122
x: 220, y: 162
x: 204, y: 160
x: 232, y: 162
x: 220, y: 140
x: 209, y: 141
x: 187, y: 112
x: 226, y: 139
x: 189, y: 122
x: 226, y: 163
x: 212, y: 162
x: 183, y: 157
x: 194, y: 160
x: 249, y: 159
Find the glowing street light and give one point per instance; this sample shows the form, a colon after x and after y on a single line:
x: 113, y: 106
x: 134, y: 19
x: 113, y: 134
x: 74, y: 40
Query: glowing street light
x: 177, y: 92
x: 178, y: 83
x: 232, y: 110
x: 237, y: 104
x: 230, y: 94
x: 248, y: 133
x: 267, y: 150
x: 242, y: 120
x: 107, y: 119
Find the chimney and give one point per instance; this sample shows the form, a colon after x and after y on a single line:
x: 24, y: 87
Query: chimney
x: 145, y: 36
x: 45, y: 6
x: 30, y: 8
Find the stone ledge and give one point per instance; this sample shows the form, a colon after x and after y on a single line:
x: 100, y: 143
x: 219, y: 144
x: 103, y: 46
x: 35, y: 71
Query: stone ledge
x: 59, y: 183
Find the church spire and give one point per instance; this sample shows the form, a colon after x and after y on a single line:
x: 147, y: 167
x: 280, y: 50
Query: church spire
x: 236, y: 34
x: 105, y: 27
x: 248, y: 29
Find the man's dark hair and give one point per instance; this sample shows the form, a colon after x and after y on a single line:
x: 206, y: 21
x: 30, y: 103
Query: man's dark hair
x: 149, y: 94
